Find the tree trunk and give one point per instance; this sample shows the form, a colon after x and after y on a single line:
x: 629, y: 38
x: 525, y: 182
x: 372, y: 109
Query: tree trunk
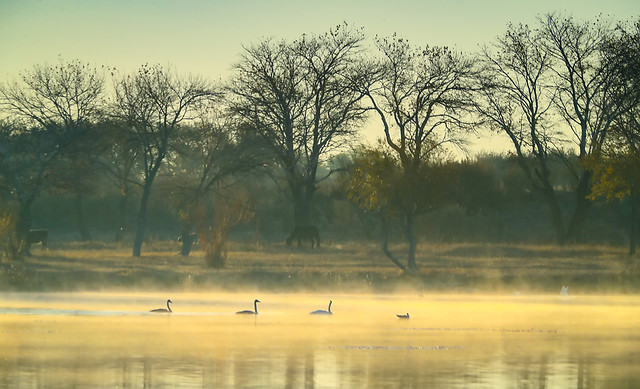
x: 82, y: 225
x: 583, y: 205
x: 556, y: 214
x: 302, y: 198
x: 122, y: 218
x: 142, y: 220
x: 20, y: 247
x: 632, y: 225
x: 385, y: 244
x: 412, y: 266
x: 187, y: 242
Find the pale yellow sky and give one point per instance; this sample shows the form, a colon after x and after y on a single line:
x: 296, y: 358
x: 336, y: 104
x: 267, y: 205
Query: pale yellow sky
x: 205, y: 36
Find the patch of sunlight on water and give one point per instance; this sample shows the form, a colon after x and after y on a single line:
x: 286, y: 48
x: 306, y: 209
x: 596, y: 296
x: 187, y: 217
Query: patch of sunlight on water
x: 457, y: 341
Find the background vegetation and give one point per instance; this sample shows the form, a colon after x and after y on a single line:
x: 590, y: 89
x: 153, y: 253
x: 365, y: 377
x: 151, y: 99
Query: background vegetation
x: 126, y: 160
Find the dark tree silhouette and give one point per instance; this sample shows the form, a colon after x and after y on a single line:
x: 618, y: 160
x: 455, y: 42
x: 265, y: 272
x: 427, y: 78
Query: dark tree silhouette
x: 300, y: 98
x: 155, y: 102
x: 56, y: 104
x: 421, y: 97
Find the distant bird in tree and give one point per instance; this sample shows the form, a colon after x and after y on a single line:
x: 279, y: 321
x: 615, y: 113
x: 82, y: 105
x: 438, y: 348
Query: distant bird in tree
x: 322, y: 312
x: 248, y: 312
x: 404, y: 316
x: 167, y: 310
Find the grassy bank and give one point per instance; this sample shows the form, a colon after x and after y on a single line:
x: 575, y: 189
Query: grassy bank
x: 451, y: 268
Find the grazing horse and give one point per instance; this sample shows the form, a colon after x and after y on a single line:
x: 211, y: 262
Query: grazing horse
x: 37, y: 236
x: 304, y: 232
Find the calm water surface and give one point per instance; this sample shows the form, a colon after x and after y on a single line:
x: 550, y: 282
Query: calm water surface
x: 111, y: 340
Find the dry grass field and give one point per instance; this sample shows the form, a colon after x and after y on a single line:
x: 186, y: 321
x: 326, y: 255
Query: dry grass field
x: 451, y: 268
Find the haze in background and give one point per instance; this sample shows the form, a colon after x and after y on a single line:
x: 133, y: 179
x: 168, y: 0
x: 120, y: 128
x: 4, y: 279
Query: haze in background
x: 205, y: 37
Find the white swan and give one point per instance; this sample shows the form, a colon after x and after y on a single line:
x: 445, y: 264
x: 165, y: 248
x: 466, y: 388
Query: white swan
x: 323, y: 312
x: 167, y: 310
x: 248, y: 312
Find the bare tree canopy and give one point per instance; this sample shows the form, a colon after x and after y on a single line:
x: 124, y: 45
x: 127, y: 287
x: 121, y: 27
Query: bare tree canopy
x: 301, y: 99
x: 422, y: 98
x: 155, y: 102
x: 52, y: 107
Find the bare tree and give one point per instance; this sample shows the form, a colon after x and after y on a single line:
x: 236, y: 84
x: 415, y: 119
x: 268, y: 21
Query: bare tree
x: 56, y: 104
x: 586, y: 81
x: 515, y: 98
x: 616, y: 168
x: 155, y: 102
x: 211, y: 157
x: 421, y: 97
x: 119, y: 161
x: 300, y: 98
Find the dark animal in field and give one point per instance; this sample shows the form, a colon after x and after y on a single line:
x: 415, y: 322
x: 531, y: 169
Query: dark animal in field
x: 38, y: 236
x: 188, y: 240
x: 191, y: 237
x: 304, y: 232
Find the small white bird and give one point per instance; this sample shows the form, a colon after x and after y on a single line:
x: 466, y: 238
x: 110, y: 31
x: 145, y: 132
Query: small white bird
x: 564, y: 291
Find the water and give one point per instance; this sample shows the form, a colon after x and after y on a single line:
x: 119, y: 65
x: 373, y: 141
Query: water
x: 111, y: 340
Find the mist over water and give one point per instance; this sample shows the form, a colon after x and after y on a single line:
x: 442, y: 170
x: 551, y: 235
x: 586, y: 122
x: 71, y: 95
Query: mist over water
x: 454, y: 341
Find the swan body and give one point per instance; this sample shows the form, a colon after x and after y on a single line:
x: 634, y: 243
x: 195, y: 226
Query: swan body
x: 167, y: 310
x: 323, y: 312
x: 404, y: 316
x: 249, y: 312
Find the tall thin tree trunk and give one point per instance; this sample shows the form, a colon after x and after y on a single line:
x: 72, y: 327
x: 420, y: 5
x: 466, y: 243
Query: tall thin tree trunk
x: 412, y: 266
x: 385, y: 244
x: 122, y: 217
x: 632, y: 224
x: 302, y: 204
x: 141, y: 226
x: 583, y: 205
x: 80, y: 219
x: 557, y: 220
x: 20, y: 248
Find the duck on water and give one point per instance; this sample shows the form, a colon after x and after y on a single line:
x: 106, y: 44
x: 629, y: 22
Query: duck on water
x: 166, y: 310
x: 249, y: 312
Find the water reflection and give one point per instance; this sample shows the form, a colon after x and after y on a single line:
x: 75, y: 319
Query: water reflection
x: 449, y: 341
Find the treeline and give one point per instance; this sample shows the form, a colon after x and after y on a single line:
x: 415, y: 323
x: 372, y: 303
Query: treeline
x: 276, y: 145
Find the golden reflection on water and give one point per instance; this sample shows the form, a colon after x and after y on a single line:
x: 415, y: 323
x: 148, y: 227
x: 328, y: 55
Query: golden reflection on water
x: 111, y: 340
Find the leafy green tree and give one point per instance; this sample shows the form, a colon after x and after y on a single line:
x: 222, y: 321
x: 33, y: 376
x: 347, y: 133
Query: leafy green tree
x: 378, y: 183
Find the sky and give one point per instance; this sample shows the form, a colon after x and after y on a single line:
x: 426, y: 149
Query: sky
x: 205, y: 37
